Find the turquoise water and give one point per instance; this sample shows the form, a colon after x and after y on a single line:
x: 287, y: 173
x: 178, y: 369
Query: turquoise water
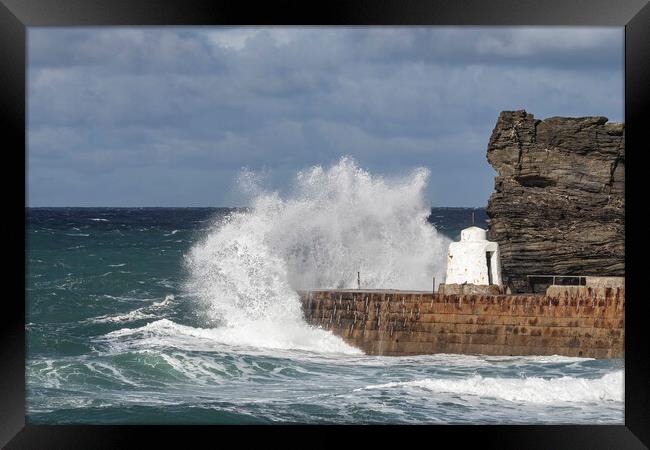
x: 117, y: 335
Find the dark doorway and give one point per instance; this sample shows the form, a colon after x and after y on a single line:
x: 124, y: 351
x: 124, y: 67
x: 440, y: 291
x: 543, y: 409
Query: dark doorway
x: 488, y: 257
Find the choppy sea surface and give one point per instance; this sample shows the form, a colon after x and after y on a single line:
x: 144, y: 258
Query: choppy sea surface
x: 168, y: 316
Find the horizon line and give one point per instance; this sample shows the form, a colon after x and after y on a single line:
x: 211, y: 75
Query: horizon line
x: 231, y: 207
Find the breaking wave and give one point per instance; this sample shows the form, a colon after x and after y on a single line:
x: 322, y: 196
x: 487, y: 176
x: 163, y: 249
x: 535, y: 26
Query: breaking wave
x: 335, y: 222
x: 609, y: 387
x: 264, y: 334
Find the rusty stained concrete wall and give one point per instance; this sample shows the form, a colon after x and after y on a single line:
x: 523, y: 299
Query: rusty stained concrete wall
x: 588, y: 324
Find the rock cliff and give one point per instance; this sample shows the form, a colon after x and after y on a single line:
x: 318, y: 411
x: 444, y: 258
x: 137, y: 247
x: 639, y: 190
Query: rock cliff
x: 559, y: 200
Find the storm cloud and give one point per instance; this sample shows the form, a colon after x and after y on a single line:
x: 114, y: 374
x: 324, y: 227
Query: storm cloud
x: 169, y: 116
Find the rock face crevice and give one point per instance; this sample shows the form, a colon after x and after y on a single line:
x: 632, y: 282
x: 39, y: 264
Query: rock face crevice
x: 559, y: 200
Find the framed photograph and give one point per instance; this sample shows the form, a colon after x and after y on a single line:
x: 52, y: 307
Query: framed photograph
x: 359, y: 216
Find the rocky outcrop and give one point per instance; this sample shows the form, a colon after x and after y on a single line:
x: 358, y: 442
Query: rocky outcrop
x: 559, y: 200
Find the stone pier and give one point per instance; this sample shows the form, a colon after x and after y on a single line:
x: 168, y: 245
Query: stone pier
x: 586, y: 322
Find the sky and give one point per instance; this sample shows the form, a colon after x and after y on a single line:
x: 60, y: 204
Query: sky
x: 169, y: 116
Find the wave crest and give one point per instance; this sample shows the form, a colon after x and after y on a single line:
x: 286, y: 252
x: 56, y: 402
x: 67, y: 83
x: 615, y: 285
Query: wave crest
x: 609, y: 387
x: 335, y: 222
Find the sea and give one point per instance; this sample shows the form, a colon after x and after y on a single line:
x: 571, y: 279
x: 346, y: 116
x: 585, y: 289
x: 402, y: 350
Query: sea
x: 190, y: 316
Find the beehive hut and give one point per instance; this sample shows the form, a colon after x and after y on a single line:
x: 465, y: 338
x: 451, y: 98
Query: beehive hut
x: 473, y: 260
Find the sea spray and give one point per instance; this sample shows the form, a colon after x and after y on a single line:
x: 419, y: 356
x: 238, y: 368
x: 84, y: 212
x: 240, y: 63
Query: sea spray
x: 334, y: 223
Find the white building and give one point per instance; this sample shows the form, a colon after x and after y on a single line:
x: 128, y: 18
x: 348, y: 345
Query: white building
x: 473, y: 260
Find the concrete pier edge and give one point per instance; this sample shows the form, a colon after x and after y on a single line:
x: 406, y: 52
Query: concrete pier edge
x: 589, y: 322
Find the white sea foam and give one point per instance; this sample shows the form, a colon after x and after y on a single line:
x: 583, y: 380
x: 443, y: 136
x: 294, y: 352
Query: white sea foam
x: 137, y: 314
x: 543, y: 359
x: 609, y: 387
x: 145, y: 312
x: 336, y: 222
x: 262, y: 333
x: 99, y: 220
x: 168, y: 299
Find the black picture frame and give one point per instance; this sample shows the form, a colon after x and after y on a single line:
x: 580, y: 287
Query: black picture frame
x: 17, y: 15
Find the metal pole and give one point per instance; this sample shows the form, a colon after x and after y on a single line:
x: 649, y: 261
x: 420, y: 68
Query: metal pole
x: 358, y: 280
x: 434, y: 285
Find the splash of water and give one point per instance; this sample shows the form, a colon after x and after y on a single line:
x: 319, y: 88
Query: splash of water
x: 336, y: 222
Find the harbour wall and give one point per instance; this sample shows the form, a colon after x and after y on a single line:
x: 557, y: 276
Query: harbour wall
x: 569, y: 321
